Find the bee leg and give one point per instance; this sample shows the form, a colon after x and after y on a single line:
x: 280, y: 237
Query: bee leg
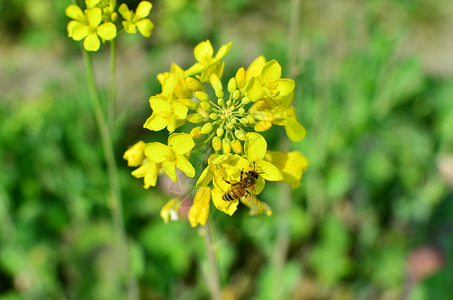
x: 242, y: 173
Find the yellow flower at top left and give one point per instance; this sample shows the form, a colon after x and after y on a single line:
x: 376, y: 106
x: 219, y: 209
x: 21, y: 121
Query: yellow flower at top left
x: 87, y: 26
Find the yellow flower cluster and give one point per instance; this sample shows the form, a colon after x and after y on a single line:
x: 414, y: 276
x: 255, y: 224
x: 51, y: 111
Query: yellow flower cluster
x: 226, y: 125
x: 97, y: 21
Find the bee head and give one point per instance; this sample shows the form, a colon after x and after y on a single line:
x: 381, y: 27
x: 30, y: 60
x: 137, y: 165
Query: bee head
x: 254, y: 174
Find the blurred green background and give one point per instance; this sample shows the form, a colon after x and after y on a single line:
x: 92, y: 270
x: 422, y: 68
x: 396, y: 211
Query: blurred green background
x: 373, y: 218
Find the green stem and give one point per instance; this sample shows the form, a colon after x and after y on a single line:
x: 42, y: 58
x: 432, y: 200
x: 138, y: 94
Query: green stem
x: 115, y: 197
x: 212, y: 277
x: 283, y: 227
x: 112, y: 85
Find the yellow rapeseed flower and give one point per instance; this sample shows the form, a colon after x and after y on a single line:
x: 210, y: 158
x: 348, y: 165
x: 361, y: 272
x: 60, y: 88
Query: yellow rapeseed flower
x: 167, y: 111
x: 207, y: 64
x: 169, y: 211
x: 172, y: 155
x: 87, y: 26
x: 292, y: 165
x: 199, y: 211
x: 133, y: 21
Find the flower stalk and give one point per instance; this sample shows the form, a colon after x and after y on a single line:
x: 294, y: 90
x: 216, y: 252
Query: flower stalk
x: 115, y: 193
x: 212, y: 274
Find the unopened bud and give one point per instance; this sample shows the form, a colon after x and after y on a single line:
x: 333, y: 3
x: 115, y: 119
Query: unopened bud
x: 241, y: 110
x: 226, y: 145
x: 195, y: 133
x: 232, y: 85
x: 213, y: 116
x: 202, y: 96
x: 240, y: 134
x: 207, y: 128
x: 240, y: 78
x: 195, y: 118
x: 205, y: 105
x: 220, y: 131
x: 215, y: 82
x: 193, y: 84
x: 244, y: 121
x: 236, y: 94
x: 236, y: 146
x: 220, y: 102
x: 245, y: 100
x: 216, y: 143
x: 219, y: 93
x: 251, y: 119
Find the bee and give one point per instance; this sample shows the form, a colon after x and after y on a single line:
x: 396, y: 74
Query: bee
x: 245, y: 187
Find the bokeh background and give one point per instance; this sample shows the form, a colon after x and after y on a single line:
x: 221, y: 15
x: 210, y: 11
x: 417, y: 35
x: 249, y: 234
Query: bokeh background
x: 372, y: 219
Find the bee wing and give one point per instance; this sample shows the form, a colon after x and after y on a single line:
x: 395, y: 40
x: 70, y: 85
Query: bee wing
x: 253, y: 201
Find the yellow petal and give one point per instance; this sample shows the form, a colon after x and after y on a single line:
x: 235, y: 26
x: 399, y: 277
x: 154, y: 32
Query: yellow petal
x: 184, y: 165
x: 107, y: 31
x: 129, y: 27
x: 272, y: 70
x: 295, y: 131
x: 145, y: 27
x: 203, y: 51
x: 181, y: 143
x: 285, y: 86
x: 156, y: 122
x: 160, y: 105
x: 158, y: 152
x: 71, y: 25
x: 91, y: 42
x: 150, y: 172
x: 91, y: 3
x: 254, y: 90
x: 170, y: 210
x: 228, y: 207
x: 205, y: 177
x: 135, y: 154
x: 170, y: 170
x: 143, y: 9
x: 262, y: 126
x: 94, y: 16
x: 268, y: 171
x: 255, y: 146
x: 79, y: 31
x: 195, y: 69
x: 260, y: 183
x: 198, y: 213
x: 125, y: 12
x: 292, y: 165
x: 240, y: 78
x: 180, y: 110
x: 223, y: 51
x: 255, y: 68
x: 74, y: 12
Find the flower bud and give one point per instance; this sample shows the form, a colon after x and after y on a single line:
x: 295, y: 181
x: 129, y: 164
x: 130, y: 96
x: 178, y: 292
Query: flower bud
x: 207, y: 128
x: 241, y: 110
x: 215, y: 82
x: 219, y: 93
x: 195, y: 118
x: 205, y: 105
x: 216, y: 143
x: 232, y: 85
x: 236, y: 94
x: 240, y: 78
x: 194, y: 85
x: 195, y: 133
x: 226, y: 145
x: 244, y: 121
x: 236, y: 146
x: 240, y: 134
x: 220, y: 131
x: 189, y: 103
x: 228, y: 103
x: 246, y: 100
x: 251, y: 119
x: 202, y: 96
x: 220, y: 102
x: 213, y: 116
